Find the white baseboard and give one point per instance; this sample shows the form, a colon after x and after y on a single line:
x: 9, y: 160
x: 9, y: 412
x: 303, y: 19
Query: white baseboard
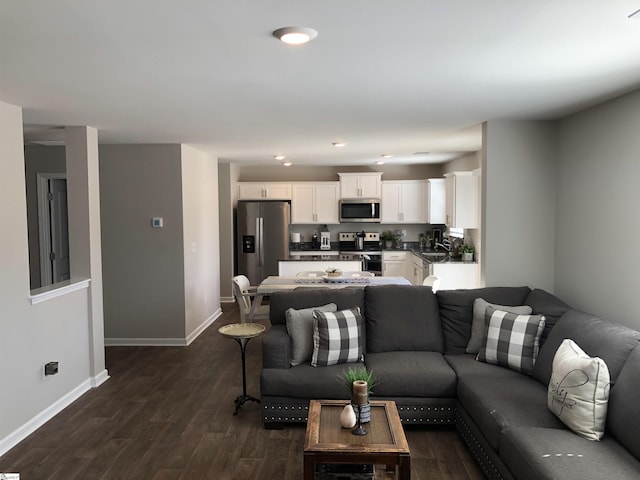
x: 203, y: 326
x: 19, y: 434
x: 163, y: 342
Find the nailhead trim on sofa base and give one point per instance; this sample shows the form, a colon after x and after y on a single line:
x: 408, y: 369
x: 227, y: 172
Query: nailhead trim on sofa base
x: 489, y: 462
x: 296, y: 411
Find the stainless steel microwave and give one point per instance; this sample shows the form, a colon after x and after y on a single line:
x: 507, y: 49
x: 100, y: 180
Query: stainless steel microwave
x: 360, y: 210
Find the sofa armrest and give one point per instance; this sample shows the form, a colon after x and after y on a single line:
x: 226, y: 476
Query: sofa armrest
x: 276, y: 350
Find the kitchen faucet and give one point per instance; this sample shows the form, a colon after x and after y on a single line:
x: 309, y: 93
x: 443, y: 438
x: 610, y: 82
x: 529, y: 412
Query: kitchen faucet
x: 446, y: 244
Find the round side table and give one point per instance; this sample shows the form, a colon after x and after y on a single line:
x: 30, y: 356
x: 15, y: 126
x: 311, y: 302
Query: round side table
x: 242, y: 333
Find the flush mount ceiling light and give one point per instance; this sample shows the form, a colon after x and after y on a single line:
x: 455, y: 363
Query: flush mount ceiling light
x: 279, y: 157
x: 286, y: 164
x: 295, y: 35
x: 339, y: 144
x: 380, y: 162
x: 386, y: 155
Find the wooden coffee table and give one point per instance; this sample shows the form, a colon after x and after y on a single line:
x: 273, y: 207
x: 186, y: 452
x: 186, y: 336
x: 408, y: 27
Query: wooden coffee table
x: 384, y: 444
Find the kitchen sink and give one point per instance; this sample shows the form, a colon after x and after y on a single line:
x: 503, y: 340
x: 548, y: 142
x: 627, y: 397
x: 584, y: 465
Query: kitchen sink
x: 435, y: 257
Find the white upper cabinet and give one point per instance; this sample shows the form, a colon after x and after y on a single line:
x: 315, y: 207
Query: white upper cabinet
x: 462, y: 193
x: 404, y: 201
x: 314, y: 203
x: 361, y: 184
x: 264, y: 191
x: 436, y: 201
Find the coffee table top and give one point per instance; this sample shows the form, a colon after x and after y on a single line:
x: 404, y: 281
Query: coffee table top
x: 324, y: 433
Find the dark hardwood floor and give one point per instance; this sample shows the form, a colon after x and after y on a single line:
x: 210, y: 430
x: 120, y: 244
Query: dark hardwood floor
x: 166, y: 413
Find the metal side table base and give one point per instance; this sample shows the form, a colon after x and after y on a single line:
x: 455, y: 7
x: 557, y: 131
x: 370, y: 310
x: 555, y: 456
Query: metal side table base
x: 242, y: 333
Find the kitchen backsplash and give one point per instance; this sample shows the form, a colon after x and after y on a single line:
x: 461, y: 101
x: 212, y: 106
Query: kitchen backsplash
x: 412, y: 231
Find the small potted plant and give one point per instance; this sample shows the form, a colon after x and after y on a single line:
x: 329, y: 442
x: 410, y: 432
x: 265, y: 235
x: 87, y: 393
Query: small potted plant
x: 388, y: 237
x: 467, y: 253
x: 359, y: 374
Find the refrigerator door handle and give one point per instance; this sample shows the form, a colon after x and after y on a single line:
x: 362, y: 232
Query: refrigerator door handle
x: 260, y: 229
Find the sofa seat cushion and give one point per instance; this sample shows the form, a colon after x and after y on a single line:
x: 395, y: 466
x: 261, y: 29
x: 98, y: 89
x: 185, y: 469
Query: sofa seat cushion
x: 546, y: 453
x: 495, y: 403
x: 456, y: 311
x: 467, y: 366
x: 411, y: 374
x: 305, y: 381
x: 402, y: 318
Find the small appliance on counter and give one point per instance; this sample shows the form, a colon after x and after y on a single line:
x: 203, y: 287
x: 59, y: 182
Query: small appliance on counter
x: 295, y: 240
x: 325, y: 239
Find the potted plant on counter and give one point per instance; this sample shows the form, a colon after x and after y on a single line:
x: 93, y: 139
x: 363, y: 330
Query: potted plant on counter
x: 388, y: 237
x: 467, y: 253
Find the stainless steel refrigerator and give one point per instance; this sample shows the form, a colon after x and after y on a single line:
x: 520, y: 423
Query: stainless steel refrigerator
x: 262, y: 238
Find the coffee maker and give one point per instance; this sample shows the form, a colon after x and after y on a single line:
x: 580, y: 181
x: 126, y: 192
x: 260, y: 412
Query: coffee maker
x: 325, y: 239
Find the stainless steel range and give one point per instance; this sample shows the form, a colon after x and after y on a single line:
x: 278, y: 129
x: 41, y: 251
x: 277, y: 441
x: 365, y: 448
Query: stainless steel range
x: 365, y: 245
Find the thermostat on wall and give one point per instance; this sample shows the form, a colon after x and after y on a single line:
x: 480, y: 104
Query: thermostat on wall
x: 156, y: 222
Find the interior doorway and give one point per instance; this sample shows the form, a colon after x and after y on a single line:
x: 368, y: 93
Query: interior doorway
x: 53, y: 227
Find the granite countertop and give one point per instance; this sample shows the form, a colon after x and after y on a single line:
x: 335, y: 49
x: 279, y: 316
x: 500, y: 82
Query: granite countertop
x: 345, y: 257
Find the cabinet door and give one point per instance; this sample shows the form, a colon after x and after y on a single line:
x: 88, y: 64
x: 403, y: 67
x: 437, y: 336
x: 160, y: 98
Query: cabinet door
x: 251, y: 191
x: 394, y: 268
x: 412, y: 201
x: 349, y: 186
x: 302, y: 203
x: 390, y: 208
x: 370, y: 186
x: 462, y: 191
x: 326, y: 203
x: 277, y: 191
x: 436, y: 201
x: 450, y: 205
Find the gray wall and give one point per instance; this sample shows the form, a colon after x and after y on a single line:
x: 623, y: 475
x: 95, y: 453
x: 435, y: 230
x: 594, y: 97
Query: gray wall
x: 597, y: 267
x: 143, y: 267
x: 519, y: 203
x: 38, y: 159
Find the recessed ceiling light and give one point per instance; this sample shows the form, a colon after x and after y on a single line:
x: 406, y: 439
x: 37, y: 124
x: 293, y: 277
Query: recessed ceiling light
x: 295, y: 35
x: 422, y: 153
x: 338, y: 144
x: 286, y: 164
x: 386, y: 155
x: 380, y: 162
x: 279, y: 157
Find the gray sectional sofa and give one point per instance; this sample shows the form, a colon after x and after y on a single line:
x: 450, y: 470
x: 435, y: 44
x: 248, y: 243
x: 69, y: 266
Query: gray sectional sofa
x: 416, y: 344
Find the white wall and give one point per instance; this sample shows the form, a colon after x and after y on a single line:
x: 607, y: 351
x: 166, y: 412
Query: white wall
x: 32, y: 335
x: 201, y: 239
x: 597, y: 264
x: 519, y: 202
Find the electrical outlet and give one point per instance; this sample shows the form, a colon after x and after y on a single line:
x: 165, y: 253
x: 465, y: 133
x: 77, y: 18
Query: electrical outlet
x: 51, y: 368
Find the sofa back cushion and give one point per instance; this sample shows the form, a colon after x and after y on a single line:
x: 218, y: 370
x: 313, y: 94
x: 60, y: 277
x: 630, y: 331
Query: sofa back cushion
x: 456, y: 311
x: 402, y: 318
x: 307, y: 297
x: 598, y: 338
x: 544, y: 303
x: 623, y: 418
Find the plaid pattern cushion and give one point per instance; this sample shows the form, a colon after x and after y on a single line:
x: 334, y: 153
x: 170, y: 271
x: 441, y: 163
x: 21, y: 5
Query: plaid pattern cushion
x: 511, y: 340
x: 338, y: 337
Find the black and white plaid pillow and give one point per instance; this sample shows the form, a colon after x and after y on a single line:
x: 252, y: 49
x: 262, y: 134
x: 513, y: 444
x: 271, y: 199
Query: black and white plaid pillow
x: 511, y: 340
x: 338, y: 337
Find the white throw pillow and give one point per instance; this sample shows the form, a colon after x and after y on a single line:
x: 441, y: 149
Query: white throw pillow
x: 579, y: 390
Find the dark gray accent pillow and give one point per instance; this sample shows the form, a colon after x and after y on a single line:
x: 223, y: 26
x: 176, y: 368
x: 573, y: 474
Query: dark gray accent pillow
x: 402, y: 318
x: 511, y: 340
x: 477, y: 326
x: 598, y: 338
x: 338, y: 337
x: 300, y: 330
x: 456, y: 311
x: 547, y: 304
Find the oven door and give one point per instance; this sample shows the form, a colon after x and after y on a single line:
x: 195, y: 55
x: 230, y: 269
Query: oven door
x: 373, y: 263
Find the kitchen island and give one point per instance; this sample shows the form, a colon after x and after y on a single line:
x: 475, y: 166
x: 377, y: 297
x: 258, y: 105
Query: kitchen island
x: 294, y: 264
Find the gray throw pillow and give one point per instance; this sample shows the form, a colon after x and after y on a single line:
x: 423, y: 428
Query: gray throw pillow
x: 300, y: 329
x: 477, y: 326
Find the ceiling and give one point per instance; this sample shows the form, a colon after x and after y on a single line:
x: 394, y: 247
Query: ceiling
x: 386, y: 77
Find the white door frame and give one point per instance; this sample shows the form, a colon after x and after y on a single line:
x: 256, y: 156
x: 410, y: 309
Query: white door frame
x: 44, y: 225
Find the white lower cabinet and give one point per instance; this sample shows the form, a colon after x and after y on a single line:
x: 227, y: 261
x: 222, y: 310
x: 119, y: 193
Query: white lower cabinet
x: 394, y: 264
x: 457, y: 275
